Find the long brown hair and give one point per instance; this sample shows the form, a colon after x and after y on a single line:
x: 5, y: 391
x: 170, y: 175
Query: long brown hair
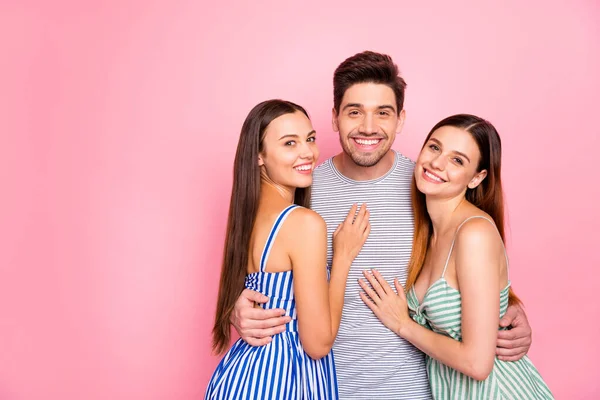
x: 243, y: 207
x: 487, y: 196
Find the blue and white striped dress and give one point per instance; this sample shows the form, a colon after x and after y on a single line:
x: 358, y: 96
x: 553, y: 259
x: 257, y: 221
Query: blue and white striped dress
x: 281, y: 369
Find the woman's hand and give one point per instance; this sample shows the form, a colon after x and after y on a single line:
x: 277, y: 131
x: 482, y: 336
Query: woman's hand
x: 390, y: 307
x: 351, y: 234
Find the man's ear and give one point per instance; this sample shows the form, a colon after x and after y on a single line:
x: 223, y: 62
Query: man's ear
x: 401, y: 118
x: 334, y: 121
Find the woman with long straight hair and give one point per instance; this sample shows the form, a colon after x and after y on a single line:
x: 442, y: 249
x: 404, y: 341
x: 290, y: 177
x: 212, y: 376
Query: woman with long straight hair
x: 458, y: 281
x: 277, y: 246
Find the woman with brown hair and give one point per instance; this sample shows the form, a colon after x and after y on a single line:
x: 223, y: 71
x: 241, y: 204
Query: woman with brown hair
x: 287, y: 262
x: 458, y: 280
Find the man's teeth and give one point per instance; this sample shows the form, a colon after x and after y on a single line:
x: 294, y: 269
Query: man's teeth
x: 367, y: 142
x: 433, y: 176
x: 306, y: 167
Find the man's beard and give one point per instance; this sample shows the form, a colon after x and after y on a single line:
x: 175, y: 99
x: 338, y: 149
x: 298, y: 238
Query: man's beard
x: 363, y: 160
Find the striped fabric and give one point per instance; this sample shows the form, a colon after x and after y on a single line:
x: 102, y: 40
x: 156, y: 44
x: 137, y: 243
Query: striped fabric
x: 280, y: 370
x: 440, y: 311
x: 371, y: 361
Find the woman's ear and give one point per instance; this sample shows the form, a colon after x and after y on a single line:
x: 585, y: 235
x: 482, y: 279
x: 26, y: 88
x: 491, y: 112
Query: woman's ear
x: 477, y: 179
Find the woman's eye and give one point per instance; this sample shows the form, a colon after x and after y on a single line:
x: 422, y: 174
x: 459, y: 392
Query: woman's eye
x: 458, y: 161
x: 312, y: 139
x: 433, y: 147
x: 290, y: 143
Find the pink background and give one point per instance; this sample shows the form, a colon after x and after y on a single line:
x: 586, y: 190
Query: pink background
x: 119, y: 122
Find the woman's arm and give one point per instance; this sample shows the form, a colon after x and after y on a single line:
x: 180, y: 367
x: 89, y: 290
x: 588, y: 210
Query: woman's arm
x: 319, y: 304
x: 479, y: 254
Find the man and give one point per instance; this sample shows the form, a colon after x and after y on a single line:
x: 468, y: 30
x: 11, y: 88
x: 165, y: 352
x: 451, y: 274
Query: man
x: 371, y: 361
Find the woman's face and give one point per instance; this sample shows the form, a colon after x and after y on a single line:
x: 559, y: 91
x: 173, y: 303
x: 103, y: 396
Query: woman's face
x: 447, y: 164
x: 290, y: 152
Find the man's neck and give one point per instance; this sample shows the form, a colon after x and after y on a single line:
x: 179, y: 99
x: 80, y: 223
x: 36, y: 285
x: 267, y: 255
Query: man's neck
x: 347, y: 167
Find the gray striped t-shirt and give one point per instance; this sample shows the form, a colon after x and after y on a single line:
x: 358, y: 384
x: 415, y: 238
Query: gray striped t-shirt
x: 371, y: 361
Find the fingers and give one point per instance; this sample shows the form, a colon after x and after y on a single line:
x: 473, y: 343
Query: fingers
x: 399, y: 289
x: 514, y: 339
x: 515, y: 333
x: 257, y: 318
x: 511, y: 354
x: 384, y: 285
x: 337, y: 230
x: 257, y: 332
x: 513, y: 358
x: 264, y: 333
x: 369, y: 291
x: 516, y: 317
x: 350, y: 217
x: 513, y: 344
x: 257, y: 342
x: 368, y: 302
x: 366, y: 232
x: 254, y: 297
x: 375, y: 284
x: 509, y: 316
x: 244, y: 306
x: 261, y: 318
x: 507, y: 335
x: 359, y: 220
x: 365, y: 224
x: 356, y: 221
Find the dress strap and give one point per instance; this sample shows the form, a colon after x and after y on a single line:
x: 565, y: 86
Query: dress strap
x: 273, y: 234
x: 454, y: 239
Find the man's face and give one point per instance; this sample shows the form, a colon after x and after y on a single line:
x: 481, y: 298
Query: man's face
x: 367, y: 122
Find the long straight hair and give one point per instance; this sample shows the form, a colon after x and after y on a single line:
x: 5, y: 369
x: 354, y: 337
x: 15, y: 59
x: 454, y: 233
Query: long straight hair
x: 243, y: 207
x: 487, y: 196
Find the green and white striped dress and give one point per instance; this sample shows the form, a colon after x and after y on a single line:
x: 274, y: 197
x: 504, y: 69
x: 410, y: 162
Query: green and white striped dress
x: 440, y: 311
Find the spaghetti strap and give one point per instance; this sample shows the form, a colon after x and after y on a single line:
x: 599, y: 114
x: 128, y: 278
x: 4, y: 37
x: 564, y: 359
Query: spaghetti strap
x: 281, y: 369
x: 441, y: 311
x: 454, y: 239
x: 273, y: 234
